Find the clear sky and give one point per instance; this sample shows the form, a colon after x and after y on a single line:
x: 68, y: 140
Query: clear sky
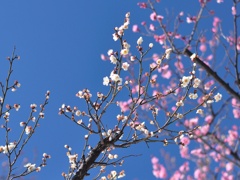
x: 60, y: 43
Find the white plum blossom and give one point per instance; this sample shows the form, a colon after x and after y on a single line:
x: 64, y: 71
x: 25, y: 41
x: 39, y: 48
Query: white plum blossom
x: 115, y: 36
x: 199, y: 111
x: 126, y: 45
x: 180, y: 103
x: 218, y: 97
x: 150, y: 45
x: 78, y: 113
x: 179, y: 116
x: 7, y: 148
x: 193, y: 96
x: 121, y: 174
x: 124, y: 51
x: 113, y: 59
x: 168, y: 52
x: 196, y: 82
x: 106, y: 81
x: 28, y: 130
x: 132, y: 58
x: 193, y: 56
x: 110, y: 52
x: 210, y: 101
x: 139, y: 41
x: 30, y: 167
x: 110, y: 156
x: 22, y: 124
x: 159, y: 61
x: 113, y: 173
x: 116, y: 78
x: 125, y: 66
x: 186, y: 80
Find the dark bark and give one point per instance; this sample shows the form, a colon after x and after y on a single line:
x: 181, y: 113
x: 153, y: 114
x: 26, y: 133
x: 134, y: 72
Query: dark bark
x: 91, y: 158
x: 224, y: 84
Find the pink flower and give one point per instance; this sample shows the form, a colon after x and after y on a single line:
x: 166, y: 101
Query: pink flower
x: 184, y: 152
x: 216, y: 21
x: 198, y: 174
x: 154, y: 160
x: 153, y: 16
x: 159, y: 17
x: 152, y: 27
x: 184, y: 168
x: 229, y: 166
x: 142, y: 5
x: 103, y: 57
x: 203, y: 47
x: 236, y: 113
x: 135, y: 28
x: 143, y: 23
x: 204, y: 129
x: 198, y: 153
x: 185, y: 140
x: 209, y: 119
x: 191, y: 19
x: 234, y: 12
x: 155, y: 57
x: 167, y: 74
x: 161, y: 39
x: 160, y: 172
x: 219, y: 1
x: 179, y: 66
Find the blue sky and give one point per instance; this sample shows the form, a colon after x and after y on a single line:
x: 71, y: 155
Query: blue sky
x: 60, y: 43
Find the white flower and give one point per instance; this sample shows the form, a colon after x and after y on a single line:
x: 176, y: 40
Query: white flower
x: 115, y: 156
x: 159, y: 61
x: 113, y: 59
x: 124, y: 51
x: 106, y: 81
x: 121, y: 174
x: 193, y: 96
x: 30, y: 167
x: 193, y: 56
x: 22, y: 124
x: 28, y: 130
x: 210, y: 101
x: 180, y: 103
x: 116, y: 78
x: 139, y: 41
x: 168, y: 52
x: 199, y: 111
x: 103, y: 178
x: 7, y: 148
x: 41, y: 114
x: 126, y: 45
x: 115, y: 36
x: 110, y: 52
x: 218, y: 97
x: 78, y: 113
x: 125, y: 66
x: 196, y: 82
x: 185, y: 80
x: 132, y: 58
x: 150, y: 45
x: 110, y: 156
x: 33, y: 106
x: 113, y: 173
x: 179, y: 116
